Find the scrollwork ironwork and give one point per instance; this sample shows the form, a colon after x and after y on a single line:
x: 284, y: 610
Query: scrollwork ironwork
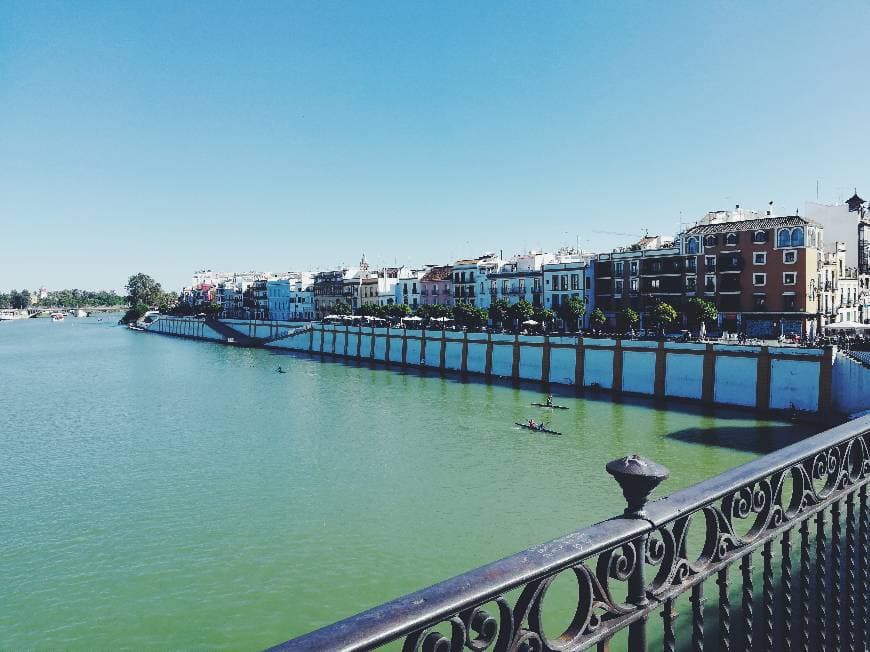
x: 646, y: 564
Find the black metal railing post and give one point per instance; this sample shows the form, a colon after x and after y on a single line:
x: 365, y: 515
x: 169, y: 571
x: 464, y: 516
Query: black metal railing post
x: 637, y: 477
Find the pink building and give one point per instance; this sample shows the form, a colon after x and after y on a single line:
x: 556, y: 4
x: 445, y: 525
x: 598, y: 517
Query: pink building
x: 436, y: 286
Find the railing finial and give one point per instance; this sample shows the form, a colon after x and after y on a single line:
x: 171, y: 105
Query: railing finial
x: 637, y: 477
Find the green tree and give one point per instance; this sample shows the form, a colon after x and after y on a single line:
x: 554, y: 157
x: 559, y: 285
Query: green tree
x: 167, y: 302
x: 543, y: 315
x: 498, y: 311
x: 371, y: 310
x: 521, y: 311
x: 135, y: 313
x: 628, y: 318
x: 443, y: 311
x: 341, y: 308
x: 143, y: 290
x: 699, y: 310
x: 598, y: 318
x: 434, y: 311
x: 664, y: 315
x: 397, y: 310
x: 20, y: 300
x: 469, y: 316
x: 572, y: 311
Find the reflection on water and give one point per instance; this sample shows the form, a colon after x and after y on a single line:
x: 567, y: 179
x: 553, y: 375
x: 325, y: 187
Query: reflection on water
x: 160, y: 492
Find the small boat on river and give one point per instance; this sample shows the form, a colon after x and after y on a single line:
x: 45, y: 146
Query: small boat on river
x: 10, y: 314
x: 537, y: 428
x: 552, y: 407
x: 57, y: 316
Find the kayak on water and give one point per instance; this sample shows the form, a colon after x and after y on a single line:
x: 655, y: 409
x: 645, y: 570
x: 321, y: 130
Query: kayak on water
x: 555, y: 407
x: 539, y: 428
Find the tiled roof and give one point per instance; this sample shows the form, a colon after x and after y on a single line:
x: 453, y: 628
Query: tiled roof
x: 750, y: 225
x: 438, y: 274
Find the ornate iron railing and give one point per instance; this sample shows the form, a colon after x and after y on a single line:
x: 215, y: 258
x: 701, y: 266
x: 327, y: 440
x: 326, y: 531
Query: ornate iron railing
x: 791, y: 505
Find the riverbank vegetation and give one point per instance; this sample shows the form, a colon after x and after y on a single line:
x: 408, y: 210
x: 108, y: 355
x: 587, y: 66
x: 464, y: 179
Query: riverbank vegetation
x: 62, y: 299
x: 143, y: 294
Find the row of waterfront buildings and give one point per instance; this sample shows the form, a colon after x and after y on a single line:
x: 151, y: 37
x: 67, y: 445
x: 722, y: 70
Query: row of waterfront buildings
x: 767, y: 274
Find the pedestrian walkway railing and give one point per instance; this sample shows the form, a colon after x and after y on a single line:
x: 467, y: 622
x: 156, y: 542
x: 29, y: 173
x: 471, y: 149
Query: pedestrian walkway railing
x: 803, y: 508
x: 859, y: 356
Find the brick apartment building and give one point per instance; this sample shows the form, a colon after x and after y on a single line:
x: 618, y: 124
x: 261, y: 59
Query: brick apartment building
x: 761, y: 272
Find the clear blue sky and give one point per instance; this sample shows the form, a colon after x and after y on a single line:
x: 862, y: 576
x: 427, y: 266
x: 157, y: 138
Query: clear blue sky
x: 166, y: 137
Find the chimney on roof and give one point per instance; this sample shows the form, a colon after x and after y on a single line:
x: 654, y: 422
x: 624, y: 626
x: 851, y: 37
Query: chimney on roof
x: 770, y: 208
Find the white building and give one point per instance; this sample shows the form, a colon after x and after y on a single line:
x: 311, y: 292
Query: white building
x: 571, y: 275
x: 291, y: 298
x: 864, y: 298
x: 230, y: 290
x: 230, y: 296
x: 209, y: 277
x: 519, y: 277
x: 302, y: 300
x: 470, y: 279
x: 407, y: 289
x: 841, y: 223
x: 840, y: 293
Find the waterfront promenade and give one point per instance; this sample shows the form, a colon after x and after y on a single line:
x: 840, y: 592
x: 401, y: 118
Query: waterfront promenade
x: 807, y: 382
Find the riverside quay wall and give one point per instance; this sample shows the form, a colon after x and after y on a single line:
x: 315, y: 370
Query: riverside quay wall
x: 814, y: 381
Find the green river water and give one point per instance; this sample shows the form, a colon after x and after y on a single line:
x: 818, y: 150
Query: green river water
x: 165, y: 493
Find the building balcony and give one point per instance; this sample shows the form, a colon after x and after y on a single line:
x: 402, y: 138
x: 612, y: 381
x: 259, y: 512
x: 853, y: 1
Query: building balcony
x: 731, y: 265
x: 659, y: 269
